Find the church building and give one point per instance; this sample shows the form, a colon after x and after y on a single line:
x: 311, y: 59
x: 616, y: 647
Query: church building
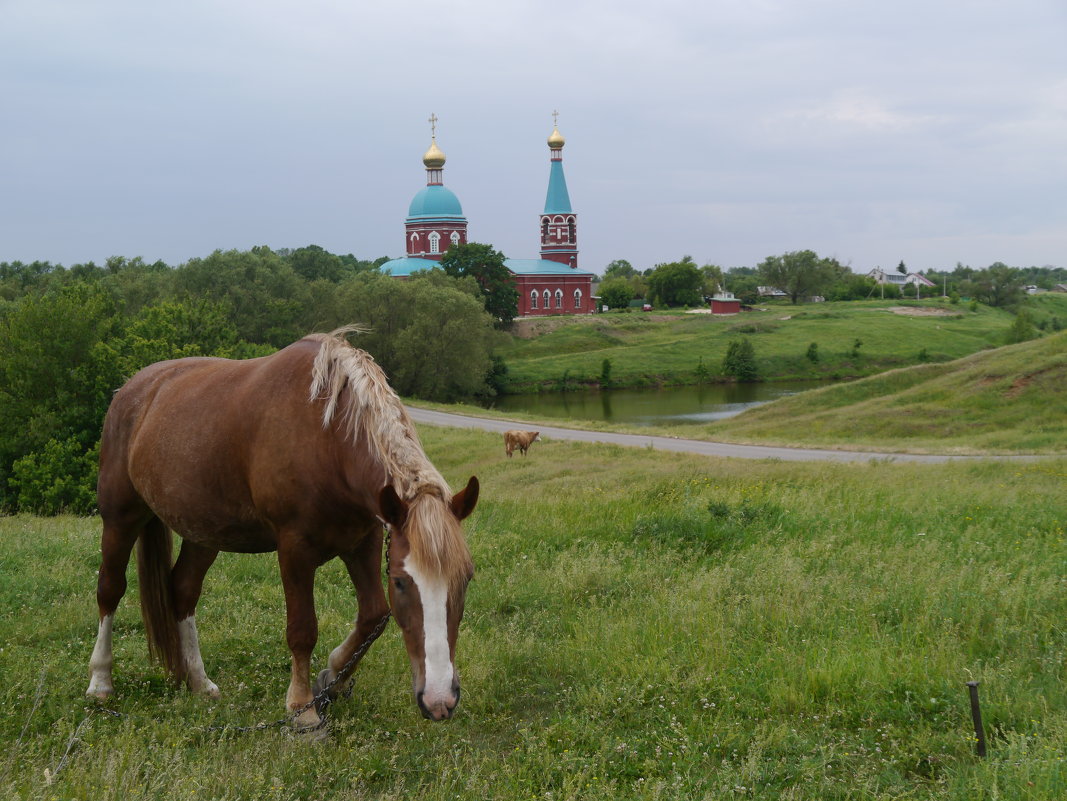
x: 552, y: 284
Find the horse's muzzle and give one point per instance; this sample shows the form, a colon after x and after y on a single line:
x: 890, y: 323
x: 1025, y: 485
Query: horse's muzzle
x: 441, y: 709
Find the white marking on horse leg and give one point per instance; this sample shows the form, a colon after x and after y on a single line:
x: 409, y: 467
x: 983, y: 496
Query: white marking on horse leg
x: 100, y: 661
x: 195, y: 675
x: 438, y: 667
x: 299, y: 693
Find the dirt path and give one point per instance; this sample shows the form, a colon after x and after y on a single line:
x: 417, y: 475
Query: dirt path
x: 685, y: 445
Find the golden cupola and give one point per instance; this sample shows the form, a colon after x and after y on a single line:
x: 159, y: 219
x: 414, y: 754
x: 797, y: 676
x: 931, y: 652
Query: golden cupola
x: 556, y: 140
x: 434, y: 159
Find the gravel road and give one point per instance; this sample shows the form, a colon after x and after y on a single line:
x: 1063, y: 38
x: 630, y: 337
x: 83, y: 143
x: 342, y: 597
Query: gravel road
x: 681, y: 445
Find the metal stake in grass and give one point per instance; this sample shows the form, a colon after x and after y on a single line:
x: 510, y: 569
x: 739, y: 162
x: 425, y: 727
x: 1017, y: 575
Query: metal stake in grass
x: 976, y: 716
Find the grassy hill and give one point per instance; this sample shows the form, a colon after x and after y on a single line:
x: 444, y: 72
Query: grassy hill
x: 1009, y: 399
x: 642, y: 625
x: 680, y: 348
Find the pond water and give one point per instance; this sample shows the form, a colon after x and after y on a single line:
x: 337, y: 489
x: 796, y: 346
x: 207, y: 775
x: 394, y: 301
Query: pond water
x: 652, y: 406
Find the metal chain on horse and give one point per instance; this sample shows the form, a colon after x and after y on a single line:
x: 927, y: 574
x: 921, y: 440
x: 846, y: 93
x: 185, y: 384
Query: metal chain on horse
x: 322, y: 700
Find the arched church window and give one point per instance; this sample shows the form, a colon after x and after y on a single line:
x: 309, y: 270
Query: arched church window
x: 533, y: 298
x: 577, y: 298
x: 435, y: 242
x: 571, y: 233
x: 548, y: 299
x: 544, y: 228
x: 455, y: 237
x: 559, y: 298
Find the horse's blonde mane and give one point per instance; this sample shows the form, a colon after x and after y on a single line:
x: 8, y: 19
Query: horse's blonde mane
x: 371, y: 411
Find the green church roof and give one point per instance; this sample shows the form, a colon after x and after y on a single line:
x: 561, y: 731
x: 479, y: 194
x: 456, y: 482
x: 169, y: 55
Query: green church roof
x: 557, y: 201
x: 435, y: 202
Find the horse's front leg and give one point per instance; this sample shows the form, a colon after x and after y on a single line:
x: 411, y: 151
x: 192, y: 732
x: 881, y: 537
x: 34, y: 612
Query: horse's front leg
x: 364, y: 568
x: 301, y: 630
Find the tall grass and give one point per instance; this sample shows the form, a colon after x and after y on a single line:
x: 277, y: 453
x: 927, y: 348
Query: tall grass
x: 641, y: 625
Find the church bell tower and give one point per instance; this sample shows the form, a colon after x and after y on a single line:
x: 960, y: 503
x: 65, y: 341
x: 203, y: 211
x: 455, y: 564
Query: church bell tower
x: 559, y: 233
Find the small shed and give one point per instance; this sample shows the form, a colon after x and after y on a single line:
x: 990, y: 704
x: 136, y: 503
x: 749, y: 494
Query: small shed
x: 725, y: 303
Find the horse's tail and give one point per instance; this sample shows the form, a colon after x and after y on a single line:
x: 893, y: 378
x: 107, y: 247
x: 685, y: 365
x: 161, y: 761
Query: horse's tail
x: 157, y: 597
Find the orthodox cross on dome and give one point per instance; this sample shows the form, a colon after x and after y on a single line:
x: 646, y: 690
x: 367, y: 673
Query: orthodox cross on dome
x: 433, y: 124
x: 555, y: 118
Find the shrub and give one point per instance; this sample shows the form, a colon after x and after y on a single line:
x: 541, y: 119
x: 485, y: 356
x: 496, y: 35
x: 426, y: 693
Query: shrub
x: 1021, y: 330
x: 740, y: 361
x: 61, y: 477
x: 813, y: 353
x: 605, y: 373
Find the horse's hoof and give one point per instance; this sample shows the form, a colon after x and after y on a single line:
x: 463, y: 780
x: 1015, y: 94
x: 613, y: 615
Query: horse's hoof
x: 308, y: 722
x: 320, y: 684
x: 207, y: 689
x: 100, y: 690
x: 313, y: 734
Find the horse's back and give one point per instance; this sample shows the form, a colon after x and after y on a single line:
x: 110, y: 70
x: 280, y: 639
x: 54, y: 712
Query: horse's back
x: 202, y: 441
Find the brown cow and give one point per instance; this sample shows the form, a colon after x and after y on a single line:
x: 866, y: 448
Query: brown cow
x: 519, y: 439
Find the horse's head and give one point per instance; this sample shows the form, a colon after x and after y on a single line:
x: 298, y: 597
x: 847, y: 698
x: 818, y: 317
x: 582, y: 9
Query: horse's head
x: 429, y: 569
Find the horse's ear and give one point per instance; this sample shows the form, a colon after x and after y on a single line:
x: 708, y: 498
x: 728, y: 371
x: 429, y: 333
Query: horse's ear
x: 464, y: 501
x: 393, y: 509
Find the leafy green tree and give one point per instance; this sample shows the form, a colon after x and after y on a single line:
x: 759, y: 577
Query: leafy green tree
x: 713, y: 279
x: 676, y: 283
x: 616, y: 293
x: 605, y: 373
x: 743, y: 285
x: 800, y: 274
x: 486, y: 266
x: 740, y: 360
x: 620, y: 268
x: 313, y: 263
x: 1021, y: 329
x: 56, y: 374
x: 998, y: 285
x: 431, y: 334
x: 270, y: 303
x: 60, y: 477
x: 852, y: 287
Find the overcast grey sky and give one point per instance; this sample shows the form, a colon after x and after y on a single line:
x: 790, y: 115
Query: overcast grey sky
x: 928, y: 131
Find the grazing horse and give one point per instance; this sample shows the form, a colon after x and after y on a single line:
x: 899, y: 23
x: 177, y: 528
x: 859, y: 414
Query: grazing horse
x: 521, y: 440
x: 305, y: 452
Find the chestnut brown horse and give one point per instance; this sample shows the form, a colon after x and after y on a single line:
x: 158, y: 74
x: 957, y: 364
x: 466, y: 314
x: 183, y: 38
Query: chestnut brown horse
x: 305, y: 452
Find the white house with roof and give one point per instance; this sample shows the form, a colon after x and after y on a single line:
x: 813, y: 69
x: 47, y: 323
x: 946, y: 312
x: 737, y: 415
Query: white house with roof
x: 880, y: 276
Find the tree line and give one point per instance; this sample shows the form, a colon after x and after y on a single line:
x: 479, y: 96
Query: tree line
x: 803, y: 275
x: 69, y: 337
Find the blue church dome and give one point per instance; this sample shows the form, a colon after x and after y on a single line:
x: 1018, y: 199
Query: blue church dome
x: 435, y: 201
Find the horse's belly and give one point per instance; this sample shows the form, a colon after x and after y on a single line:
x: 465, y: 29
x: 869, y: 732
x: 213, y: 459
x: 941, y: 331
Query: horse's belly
x: 231, y: 536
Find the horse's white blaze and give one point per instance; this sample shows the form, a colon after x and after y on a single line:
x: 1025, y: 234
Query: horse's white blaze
x: 100, y: 661
x: 195, y: 675
x: 439, y: 672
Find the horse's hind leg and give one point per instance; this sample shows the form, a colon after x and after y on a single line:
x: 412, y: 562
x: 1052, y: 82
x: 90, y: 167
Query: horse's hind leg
x: 116, y: 545
x: 187, y: 579
x: 364, y: 568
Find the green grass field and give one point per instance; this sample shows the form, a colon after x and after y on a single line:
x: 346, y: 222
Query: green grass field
x: 641, y: 625
x: 679, y: 348
x: 1008, y: 400
x: 648, y: 349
